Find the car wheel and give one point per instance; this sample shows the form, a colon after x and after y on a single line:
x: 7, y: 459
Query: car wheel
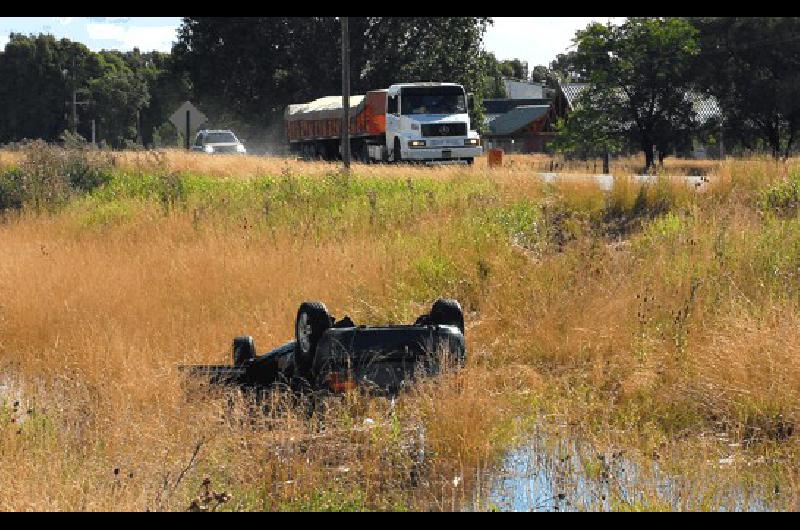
x: 244, y: 349
x: 470, y: 161
x: 312, y: 321
x: 447, y: 312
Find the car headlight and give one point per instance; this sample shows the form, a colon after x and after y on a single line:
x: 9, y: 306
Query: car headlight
x: 472, y: 141
x: 208, y: 149
x: 416, y: 143
x: 240, y: 148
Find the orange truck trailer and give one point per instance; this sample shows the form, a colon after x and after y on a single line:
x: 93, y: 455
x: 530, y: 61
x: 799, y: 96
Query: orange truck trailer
x: 425, y: 122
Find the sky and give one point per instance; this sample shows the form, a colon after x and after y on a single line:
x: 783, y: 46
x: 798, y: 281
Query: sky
x: 121, y: 33
x: 535, y: 39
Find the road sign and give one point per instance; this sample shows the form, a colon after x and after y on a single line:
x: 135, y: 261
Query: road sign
x: 188, y: 119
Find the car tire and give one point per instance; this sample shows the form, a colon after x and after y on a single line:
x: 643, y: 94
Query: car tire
x: 244, y: 350
x: 312, y: 321
x: 470, y: 161
x: 447, y: 312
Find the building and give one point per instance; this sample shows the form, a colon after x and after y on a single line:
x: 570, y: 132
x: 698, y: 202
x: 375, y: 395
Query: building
x: 527, y: 125
x: 516, y: 89
x: 519, y: 130
x: 515, y: 123
x: 495, y: 107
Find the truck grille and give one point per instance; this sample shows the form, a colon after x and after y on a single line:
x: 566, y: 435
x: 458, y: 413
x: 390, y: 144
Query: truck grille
x: 444, y: 129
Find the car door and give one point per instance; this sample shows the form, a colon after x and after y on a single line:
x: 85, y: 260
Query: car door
x: 392, y: 119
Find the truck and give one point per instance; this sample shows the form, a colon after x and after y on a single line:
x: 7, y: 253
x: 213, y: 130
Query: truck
x: 408, y: 122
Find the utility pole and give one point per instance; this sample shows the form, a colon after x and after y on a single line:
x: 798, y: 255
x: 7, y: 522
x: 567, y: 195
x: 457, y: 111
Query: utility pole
x: 138, y: 127
x: 74, y: 103
x: 345, y: 94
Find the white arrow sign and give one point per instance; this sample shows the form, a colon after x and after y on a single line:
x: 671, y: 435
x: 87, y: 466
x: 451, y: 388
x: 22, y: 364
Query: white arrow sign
x: 187, y: 119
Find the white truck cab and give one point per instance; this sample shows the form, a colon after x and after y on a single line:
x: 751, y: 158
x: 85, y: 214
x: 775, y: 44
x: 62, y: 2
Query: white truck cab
x: 430, y: 122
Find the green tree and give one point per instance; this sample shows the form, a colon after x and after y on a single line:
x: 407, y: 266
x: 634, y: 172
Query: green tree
x: 167, y: 88
x: 640, y: 72
x: 118, y: 94
x: 543, y: 74
x: 515, y: 69
x: 589, y: 131
x: 755, y: 77
x: 270, y: 62
x: 37, y: 74
x: 493, y: 87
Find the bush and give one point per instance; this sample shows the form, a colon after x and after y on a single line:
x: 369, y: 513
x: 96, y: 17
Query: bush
x: 783, y: 198
x: 48, y: 175
x: 10, y: 192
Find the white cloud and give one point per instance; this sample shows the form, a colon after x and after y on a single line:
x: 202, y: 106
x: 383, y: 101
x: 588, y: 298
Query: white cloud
x: 110, y: 19
x: 146, y: 38
x: 3, y: 41
x: 64, y: 20
x: 535, y: 39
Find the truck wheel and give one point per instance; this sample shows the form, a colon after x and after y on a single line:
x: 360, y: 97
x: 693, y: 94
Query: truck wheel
x: 312, y: 321
x: 470, y: 161
x: 364, y: 154
x: 398, y: 155
x: 244, y: 349
x: 447, y: 312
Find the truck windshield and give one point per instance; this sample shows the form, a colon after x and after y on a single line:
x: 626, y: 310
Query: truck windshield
x: 433, y: 100
x: 220, y: 138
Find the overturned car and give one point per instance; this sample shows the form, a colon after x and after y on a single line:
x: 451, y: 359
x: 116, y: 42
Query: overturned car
x: 336, y: 355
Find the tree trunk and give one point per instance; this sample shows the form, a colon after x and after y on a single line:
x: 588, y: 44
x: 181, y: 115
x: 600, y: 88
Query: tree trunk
x: 606, y: 163
x: 774, y: 140
x: 789, y: 142
x: 648, y: 158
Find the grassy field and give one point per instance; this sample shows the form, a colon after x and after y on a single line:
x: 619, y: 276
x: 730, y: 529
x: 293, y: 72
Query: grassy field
x: 655, y: 321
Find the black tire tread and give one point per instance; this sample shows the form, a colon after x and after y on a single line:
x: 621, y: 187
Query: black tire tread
x: 321, y: 321
x: 447, y: 311
x: 243, y: 349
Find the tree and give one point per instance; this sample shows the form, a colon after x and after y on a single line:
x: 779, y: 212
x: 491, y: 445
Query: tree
x: 37, y: 74
x: 563, y: 68
x: 514, y: 69
x: 545, y: 75
x: 641, y: 74
x: 755, y: 78
x: 118, y: 94
x: 589, y: 131
x: 167, y: 88
x: 270, y: 62
x: 493, y: 87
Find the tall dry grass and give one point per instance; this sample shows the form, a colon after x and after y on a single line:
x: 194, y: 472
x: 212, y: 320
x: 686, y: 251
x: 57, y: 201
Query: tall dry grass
x: 237, y: 166
x: 647, y: 319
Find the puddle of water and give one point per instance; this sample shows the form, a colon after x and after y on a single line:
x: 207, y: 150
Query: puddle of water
x: 558, y: 475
